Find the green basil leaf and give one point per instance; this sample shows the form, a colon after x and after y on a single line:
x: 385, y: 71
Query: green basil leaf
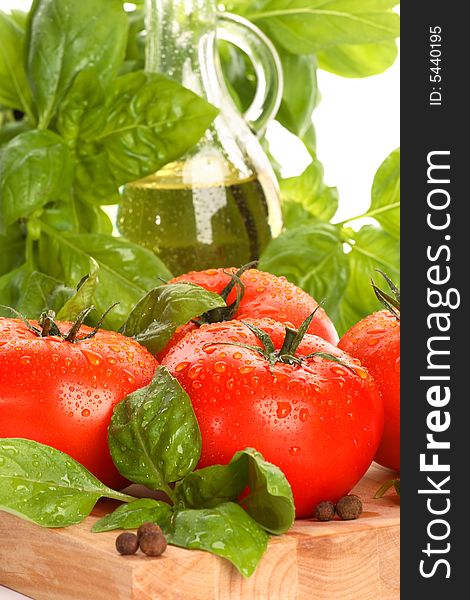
x: 12, y: 249
x: 86, y: 93
x: 226, y: 530
x: 310, y: 191
x: 10, y: 130
x: 372, y: 249
x: 66, y: 37
x: 360, y: 60
x: 154, y: 438
x: 77, y: 217
x: 311, y: 256
x: 300, y: 96
x: 308, y: 26
x: 146, y: 122
x: 14, y: 88
x: 43, y: 485
x: 11, y: 285
x: 133, y: 514
x: 135, y: 50
x: 127, y: 271
x: 83, y: 297
x: 35, y: 168
x: 269, y: 503
x: 41, y: 292
x: 239, y: 74
x: 156, y: 316
x: 385, y: 205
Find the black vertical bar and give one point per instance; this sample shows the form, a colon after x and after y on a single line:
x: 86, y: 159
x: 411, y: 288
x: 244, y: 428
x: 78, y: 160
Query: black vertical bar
x: 434, y: 120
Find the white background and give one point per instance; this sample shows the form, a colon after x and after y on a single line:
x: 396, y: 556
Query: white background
x: 357, y: 126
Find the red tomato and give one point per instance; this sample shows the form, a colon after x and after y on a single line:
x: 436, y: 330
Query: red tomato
x: 375, y: 341
x: 319, y: 421
x: 266, y: 295
x: 62, y: 394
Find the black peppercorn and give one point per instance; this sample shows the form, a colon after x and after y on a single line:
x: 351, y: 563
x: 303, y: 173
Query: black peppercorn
x: 325, y: 511
x: 152, y: 543
x: 148, y: 527
x: 349, y: 507
x: 127, y: 543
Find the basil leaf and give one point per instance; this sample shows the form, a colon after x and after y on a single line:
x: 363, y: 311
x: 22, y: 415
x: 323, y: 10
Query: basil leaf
x: 40, y: 292
x: 300, y: 96
x: 83, y: 297
x: 239, y: 74
x: 14, y: 87
x: 12, y: 248
x: 308, y: 26
x: 311, y: 256
x: 154, y: 438
x: 269, y: 503
x: 43, y: 485
x: 156, y: 316
x: 133, y: 514
x: 77, y: 217
x: 66, y: 37
x: 385, y: 205
x: 373, y: 249
x: 359, y: 60
x: 310, y: 191
x: 11, y: 285
x: 35, y: 168
x: 127, y: 271
x: 226, y: 530
x: 86, y: 93
x: 10, y: 130
x: 146, y: 122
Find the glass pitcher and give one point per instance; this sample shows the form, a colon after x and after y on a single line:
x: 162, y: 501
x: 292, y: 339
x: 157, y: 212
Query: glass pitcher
x: 217, y: 206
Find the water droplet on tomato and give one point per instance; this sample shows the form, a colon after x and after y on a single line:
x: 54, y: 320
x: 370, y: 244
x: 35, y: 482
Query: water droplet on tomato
x: 85, y: 412
x: 303, y: 414
x: 25, y: 360
x: 373, y: 342
x: 181, y: 367
x: 197, y: 385
x: 194, y: 371
x: 220, y: 367
x: 92, y: 357
x: 376, y: 330
x: 283, y: 409
x: 237, y: 355
x: 337, y: 370
x: 397, y: 365
x: 111, y: 359
x: 129, y: 376
x: 229, y: 384
x: 294, y: 450
x: 361, y: 372
x: 67, y: 361
x: 245, y: 370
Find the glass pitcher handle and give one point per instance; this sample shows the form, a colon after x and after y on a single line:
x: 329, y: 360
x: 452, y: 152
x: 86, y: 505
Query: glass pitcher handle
x: 267, y: 65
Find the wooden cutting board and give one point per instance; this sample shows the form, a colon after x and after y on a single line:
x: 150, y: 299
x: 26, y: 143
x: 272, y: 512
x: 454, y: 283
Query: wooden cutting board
x: 338, y: 560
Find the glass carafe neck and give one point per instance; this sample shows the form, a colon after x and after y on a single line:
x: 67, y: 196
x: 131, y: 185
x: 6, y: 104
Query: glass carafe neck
x: 181, y: 42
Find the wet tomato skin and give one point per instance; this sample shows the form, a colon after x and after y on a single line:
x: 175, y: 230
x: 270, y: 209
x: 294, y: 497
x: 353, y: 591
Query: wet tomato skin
x: 319, y: 422
x: 375, y: 341
x: 265, y: 296
x: 62, y: 394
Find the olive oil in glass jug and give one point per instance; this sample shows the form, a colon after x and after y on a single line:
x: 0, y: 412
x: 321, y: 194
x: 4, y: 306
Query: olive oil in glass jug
x: 217, y: 206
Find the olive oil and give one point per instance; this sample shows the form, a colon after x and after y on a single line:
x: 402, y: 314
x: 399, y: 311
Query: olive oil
x: 197, y: 226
